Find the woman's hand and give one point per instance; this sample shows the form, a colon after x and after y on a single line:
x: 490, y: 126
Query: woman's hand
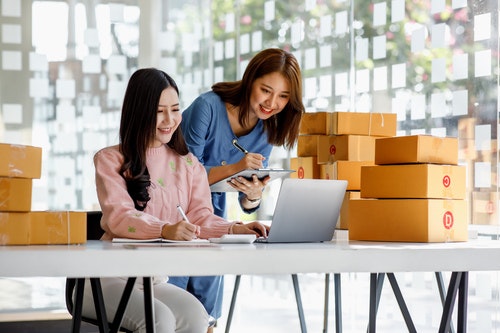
x: 251, y: 161
x: 182, y: 230
x: 256, y: 228
x: 251, y: 187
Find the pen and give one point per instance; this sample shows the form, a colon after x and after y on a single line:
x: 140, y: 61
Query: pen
x: 181, y: 211
x: 240, y: 148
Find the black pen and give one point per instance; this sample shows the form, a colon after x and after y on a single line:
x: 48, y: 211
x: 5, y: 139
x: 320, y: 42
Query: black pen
x: 240, y: 148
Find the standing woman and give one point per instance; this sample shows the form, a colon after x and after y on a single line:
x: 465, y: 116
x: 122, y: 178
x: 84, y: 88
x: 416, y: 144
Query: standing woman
x: 260, y: 111
x: 139, y: 184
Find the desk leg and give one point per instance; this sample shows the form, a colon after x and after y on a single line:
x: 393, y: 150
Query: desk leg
x: 296, y: 288
x: 454, y: 286
x: 442, y: 294
x: 122, y: 306
x: 148, y: 305
x: 326, y: 303
x: 100, y: 310
x: 233, y: 302
x: 374, y: 297
x: 76, y: 320
x: 401, y: 303
x: 462, y: 303
x: 338, y: 303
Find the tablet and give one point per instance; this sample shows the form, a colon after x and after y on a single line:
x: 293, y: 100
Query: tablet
x: 223, y: 186
x: 234, y: 239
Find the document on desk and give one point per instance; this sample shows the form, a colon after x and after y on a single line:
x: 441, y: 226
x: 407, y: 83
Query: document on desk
x: 223, y: 186
x: 158, y: 240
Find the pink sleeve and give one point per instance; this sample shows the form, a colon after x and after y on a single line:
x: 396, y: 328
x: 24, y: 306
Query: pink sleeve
x: 120, y: 218
x: 200, y: 210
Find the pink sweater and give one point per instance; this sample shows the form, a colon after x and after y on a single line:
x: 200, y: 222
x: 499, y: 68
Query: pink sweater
x: 175, y: 180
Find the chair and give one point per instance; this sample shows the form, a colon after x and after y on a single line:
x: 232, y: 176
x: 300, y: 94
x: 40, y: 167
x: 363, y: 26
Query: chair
x: 75, y: 286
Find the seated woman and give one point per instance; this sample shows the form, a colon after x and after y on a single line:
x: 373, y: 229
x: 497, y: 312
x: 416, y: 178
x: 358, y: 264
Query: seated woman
x: 140, y: 182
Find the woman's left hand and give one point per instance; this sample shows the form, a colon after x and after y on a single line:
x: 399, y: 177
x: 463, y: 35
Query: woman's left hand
x: 256, y: 228
x: 251, y: 187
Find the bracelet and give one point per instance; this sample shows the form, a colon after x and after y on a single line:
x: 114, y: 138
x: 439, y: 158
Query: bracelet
x: 253, y: 200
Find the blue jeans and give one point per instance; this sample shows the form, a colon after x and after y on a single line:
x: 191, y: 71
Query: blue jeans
x: 207, y: 289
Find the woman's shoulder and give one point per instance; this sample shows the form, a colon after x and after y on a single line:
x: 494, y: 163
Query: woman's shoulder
x: 111, y: 152
x: 208, y: 98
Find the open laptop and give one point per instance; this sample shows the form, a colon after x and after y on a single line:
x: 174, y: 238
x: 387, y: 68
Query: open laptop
x: 307, y: 210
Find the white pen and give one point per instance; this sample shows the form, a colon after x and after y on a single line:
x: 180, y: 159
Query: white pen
x: 181, y: 211
x: 239, y: 147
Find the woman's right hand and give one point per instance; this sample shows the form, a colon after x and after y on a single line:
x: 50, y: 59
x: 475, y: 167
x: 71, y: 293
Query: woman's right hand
x: 251, y: 161
x: 182, y: 230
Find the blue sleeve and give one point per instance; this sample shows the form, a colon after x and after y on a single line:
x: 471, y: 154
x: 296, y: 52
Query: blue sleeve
x: 195, y: 125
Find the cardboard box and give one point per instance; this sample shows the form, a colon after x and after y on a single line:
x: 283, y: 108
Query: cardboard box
x: 416, y: 149
x: 20, y: 161
x: 424, y: 181
x: 408, y: 220
x: 306, y: 167
x: 313, y: 123
x: 307, y: 145
x: 360, y: 123
x: 15, y: 194
x: 343, y: 221
x: 346, y: 170
x: 43, y: 227
x: 485, y: 208
x: 333, y: 148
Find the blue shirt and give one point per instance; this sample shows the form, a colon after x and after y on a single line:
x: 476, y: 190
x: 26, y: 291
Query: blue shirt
x: 208, y: 133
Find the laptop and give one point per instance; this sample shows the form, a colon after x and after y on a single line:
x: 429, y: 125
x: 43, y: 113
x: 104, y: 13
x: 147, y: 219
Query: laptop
x: 307, y: 210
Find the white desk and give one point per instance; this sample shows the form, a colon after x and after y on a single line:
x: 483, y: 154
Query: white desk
x: 104, y: 259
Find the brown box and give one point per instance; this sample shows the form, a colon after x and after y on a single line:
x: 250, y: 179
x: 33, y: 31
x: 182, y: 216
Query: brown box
x: 307, y: 145
x: 15, y: 194
x: 424, y: 181
x: 306, y: 167
x: 43, y: 227
x: 408, y: 220
x: 360, y: 123
x: 343, y: 222
x: 20, y: 161
x: 485, y: 208
x: 333, y: 148
x: 416, y: 149
x: 313, y: 123
x: 346, y: 170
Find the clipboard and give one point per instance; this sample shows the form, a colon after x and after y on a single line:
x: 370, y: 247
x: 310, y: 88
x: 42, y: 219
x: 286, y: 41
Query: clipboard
x: 223, y: 186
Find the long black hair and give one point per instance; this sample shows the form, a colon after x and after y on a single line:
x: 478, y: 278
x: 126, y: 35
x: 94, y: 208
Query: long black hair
x: 138, y: 129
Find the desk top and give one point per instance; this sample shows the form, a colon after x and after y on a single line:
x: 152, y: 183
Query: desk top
x: 106, y: 259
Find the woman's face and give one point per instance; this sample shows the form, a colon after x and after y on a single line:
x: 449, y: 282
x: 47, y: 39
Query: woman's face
x: 168, y: 117
x: 270, y: 94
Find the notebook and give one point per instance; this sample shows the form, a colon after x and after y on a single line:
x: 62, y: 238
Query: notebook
x: 307, y: 210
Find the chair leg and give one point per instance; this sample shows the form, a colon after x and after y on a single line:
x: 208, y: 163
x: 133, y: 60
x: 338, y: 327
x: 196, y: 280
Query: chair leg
x: 233, y: 302
x: 302, y: 320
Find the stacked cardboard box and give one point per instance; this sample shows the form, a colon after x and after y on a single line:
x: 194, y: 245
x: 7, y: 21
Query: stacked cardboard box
x: 335, y: 145
x: 415, y: 192
x: 19, y: 225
